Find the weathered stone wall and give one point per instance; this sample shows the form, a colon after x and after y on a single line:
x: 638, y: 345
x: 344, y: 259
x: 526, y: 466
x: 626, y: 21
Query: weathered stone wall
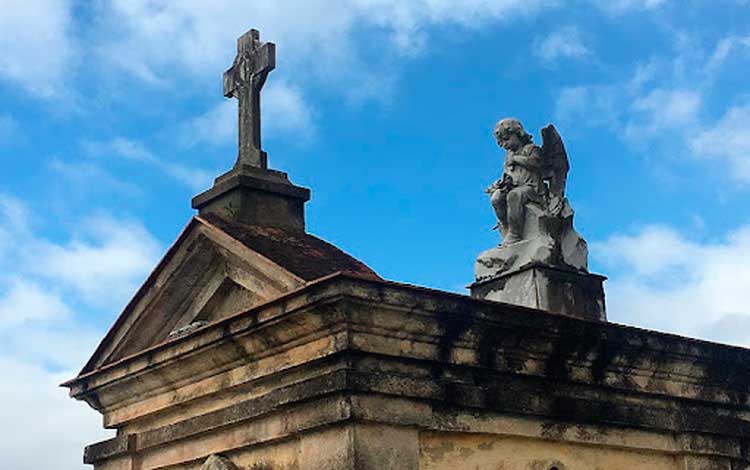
x: 487, y: 452
x: 358, y: 373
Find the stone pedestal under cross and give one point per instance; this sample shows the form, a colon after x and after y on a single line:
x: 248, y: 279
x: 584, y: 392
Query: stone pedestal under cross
x: 244, y: 80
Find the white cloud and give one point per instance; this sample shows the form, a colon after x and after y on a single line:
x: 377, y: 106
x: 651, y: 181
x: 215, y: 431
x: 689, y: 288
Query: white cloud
x: 663, y: 92
x: 102, y: 262
x: 565, y: 43
x: 82, y: 177
x: 622, y: 6
x: 100, y: 265
x: 46, y: 289
x: 14, y: 221
x: 665, y: 281
x: 660, y: 109
x: 131, y: 149
x: 25, y: 301
x: 673, y: 106
x: 163, y: 42
x: 285, y: 112
x: 37, y: 44
x: 727, y: 143
x: 195, y: 178
x: 653, y: 251
x: 630, y: 108
x: 217, y: 126
x: 589, y: 104
x: 44, y: 428
x: 407, y: 21
x: 662, y: 104
x: 160, y: 41
x: 724, y: 49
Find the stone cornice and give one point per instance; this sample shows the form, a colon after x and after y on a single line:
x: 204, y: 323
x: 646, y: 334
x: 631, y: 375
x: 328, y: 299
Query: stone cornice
x: 424, y: 336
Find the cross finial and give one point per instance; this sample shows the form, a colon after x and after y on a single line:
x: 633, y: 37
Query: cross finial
x: 244, y: 80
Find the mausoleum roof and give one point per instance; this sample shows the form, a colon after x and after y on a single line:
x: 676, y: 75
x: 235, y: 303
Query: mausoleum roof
x: 303, y: 254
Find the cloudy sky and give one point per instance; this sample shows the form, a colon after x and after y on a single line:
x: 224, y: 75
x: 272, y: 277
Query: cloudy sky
x: 112, y: 117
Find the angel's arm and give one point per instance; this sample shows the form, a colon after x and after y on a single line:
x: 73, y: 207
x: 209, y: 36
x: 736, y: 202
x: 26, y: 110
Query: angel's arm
x: 533, y: 160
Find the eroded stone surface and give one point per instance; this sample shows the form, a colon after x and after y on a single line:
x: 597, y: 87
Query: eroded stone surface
x: 481, y: 452
x: 552, y: 290
x: 217, y: 462
x: 549, y: 241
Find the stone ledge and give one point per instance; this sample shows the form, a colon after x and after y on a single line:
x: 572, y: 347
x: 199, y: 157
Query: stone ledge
x: 365, y: 397
x: 446, y: 328
x: 256, y: 196
x: 115, y: 447
x: 269, y: 185
x: 489, y: 279
x: 411, y: 299
x: 248, y: 410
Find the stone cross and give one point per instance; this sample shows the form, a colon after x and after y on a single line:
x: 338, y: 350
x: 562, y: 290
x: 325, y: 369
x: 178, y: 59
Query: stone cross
x: 244, y: 81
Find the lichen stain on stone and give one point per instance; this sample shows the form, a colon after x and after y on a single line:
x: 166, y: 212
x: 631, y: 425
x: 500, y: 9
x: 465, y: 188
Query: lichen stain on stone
x: 589, y: 343
x: 592, y: 433
x: 726, y: 367
x: 465, y: 452
x: 745, y: 449
x: 438, y: 453
x: 452, y: 328
x: 554, y: 430
x: 488, y: 445
x: 493, y: 342
x: 263, y: 466
x: 546, y: 465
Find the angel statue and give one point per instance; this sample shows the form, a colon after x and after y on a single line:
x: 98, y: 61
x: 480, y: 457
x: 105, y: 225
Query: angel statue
x: 534, y: 216
x: 530, y: 174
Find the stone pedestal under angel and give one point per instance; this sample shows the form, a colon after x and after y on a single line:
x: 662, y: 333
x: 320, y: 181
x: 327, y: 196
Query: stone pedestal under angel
x: 534, y: 217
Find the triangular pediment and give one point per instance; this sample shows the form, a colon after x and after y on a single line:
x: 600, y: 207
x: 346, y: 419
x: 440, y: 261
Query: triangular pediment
x: 206, y: 275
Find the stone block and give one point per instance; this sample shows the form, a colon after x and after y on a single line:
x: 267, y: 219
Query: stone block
x: 379, y: 447
x: 553, y: 290
x: 256, y: 196
x: 330, y: 449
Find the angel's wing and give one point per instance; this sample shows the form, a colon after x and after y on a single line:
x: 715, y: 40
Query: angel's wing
x: 556, y: 161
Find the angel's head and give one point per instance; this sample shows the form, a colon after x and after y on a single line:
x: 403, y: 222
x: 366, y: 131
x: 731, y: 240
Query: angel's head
x: 510, y: 134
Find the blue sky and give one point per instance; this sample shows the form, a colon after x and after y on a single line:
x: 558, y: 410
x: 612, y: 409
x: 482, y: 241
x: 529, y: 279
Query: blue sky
x: 112, y: 118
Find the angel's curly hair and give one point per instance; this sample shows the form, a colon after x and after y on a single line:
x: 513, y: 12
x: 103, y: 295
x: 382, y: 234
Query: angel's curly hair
x: 509, y: 126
